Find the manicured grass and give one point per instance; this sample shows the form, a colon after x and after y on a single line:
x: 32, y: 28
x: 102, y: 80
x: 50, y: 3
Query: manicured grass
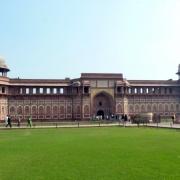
x: 90, y: 153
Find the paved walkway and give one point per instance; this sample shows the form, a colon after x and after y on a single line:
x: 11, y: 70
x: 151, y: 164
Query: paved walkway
x: 87, y: 124
x: 165, y: 125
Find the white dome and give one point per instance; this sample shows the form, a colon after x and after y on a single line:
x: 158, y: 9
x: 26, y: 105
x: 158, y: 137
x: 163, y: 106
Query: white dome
x: 3, y: 63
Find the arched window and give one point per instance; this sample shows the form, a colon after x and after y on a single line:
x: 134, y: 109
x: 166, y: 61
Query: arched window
x: 55, y: 110
x: 19, y: 110
x: 160, y: 108
x: 131, y: 109
x: 172, y: 108
x: 149, y: 108
x: 154, y: 108
x: 177, y: 108
x: 26, y: 110
x: 86, y: 109
x: 143, y: 108
x: 78, y: 110
x: 119, y: 108
x: 12, y: 110
x: 61, y: 109
x: 166, y: 108
x: 137, y: 108
x: 48, y: 110
x: 41, y: 110
x: 34, y: 110
x: 69, y: 110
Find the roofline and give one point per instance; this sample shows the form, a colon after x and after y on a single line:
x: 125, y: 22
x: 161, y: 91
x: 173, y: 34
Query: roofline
x: 4, y: 68
x: 38, y: 80
x: 101, y: 76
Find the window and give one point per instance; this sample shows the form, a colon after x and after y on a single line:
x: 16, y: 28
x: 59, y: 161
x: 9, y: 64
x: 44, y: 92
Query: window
x: 21, y: 90
x: 135, y: 90
x: 41, y: 90
x: 27, y: 90
x: 61, y: 91
x: 77, y: 90
x: 141, y: 90
x: 48, y: 91
x: 147, y: 90
x: 69, y: 90
x: 54, y: 90
x: 159, y: 90
x: 119, y: 89
x: 153, y: 90
x: 170, y: 90
x: 34, y: 90
x: 100, y: 103
x: 86, y: 89
x: 3, y: 89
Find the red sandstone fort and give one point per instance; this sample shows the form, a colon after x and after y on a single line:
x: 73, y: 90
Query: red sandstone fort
x: 90, y: 95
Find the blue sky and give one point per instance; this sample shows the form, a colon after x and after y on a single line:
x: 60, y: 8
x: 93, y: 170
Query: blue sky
x: 63, y: 38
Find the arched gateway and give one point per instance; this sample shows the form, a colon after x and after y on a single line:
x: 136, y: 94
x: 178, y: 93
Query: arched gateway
x: 103, y: 105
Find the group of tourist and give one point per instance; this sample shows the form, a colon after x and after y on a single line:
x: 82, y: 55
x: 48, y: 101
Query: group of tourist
x: 8, y: 121
x: 123, y: 117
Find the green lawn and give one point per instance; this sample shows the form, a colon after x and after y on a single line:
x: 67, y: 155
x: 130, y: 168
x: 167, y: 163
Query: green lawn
x: 90, y: 153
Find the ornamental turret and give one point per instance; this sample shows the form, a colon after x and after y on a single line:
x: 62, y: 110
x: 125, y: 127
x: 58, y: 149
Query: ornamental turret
x: 3, y: 68
x: 178, y: 73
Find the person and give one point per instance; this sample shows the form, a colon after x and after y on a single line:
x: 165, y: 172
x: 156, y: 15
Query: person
x: 125, y: 118
x: 19, y: 122
x: 107, y: 117
x: 159, y: 118
x: 122, y: 117
x: 9, y: 122
x: 6, y: 120
x: 173, y: 118
x: 29, y: 121
x: 116, y: 117
x: 112, y: 116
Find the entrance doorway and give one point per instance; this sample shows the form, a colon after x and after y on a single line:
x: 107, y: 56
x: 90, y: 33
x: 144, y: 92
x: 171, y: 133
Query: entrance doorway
x: 100, y: 113
x: 103, y: 105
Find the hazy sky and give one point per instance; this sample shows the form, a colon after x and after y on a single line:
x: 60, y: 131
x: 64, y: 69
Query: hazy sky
x: 63, y: 38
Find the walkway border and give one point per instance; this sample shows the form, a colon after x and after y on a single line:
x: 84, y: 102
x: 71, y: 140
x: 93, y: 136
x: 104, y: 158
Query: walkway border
x: 89, y: 125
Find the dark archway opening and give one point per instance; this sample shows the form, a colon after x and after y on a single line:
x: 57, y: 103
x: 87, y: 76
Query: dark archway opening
x: 103, y: 105
x: 100, y: 113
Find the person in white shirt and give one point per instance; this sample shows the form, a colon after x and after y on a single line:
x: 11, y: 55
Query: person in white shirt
x: 6, y: 120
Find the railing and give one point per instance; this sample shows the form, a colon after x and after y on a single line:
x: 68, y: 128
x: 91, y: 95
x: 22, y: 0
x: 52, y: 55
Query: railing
x: 41, y: 124
x: 78, y: 124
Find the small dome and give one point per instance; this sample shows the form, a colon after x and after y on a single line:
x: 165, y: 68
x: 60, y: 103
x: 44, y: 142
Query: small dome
x: 3, y: 64
x: 76, y: 83
x: 126, y: 83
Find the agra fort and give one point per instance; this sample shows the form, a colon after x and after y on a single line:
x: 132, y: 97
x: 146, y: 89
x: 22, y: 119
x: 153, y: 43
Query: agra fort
x: 90, y: 95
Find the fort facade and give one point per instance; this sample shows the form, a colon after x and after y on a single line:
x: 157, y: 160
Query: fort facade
x: 93, y: 94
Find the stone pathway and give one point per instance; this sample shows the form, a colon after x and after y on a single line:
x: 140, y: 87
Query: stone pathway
x: 87, y: 124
